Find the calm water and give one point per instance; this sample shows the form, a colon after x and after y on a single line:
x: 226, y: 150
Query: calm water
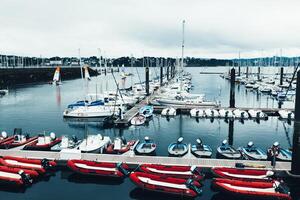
x: 38, y: 107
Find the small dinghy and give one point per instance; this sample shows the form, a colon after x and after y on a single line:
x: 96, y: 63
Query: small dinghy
x: 240, y: 114
x: 178, y: 148
x: 226, y: 113
x: 280, y: 153
x: 138, y: 120
x: 201, y: 150
x: 66, y: 143
x: 184, y: 172
x: 286, y: 114
x: 105, y: 169
x: 119, y: 146
x: 211, y: 113
x: 94, y: 144
x: 253, y: 189
x: 242, y: 174
x: 41, y: 166
x: 257, y: 114
x: 195, y: 112
x: 43, y: 143
x: 168, y: 112
x: 147, y: 111
x: 169, y: 185
x: 147, y: 147
x: 253, y: 153
x: 15, y: 176
x: 227, y: 151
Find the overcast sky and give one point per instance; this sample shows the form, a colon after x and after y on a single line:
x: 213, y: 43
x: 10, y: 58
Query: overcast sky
x: 214, y: 28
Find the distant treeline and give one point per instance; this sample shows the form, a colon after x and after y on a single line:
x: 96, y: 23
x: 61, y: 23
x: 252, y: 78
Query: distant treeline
x: 19, y: 61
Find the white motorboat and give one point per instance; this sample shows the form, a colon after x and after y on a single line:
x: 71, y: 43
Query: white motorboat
x: 197, y: 112
x: 211, y: 113
x: 226, y: 113
x: 66, y: 143
x: 286, y: 114
x: 240, y: 114
x: 93, y: 111
x: 94, y: 144
x: 257, y: 114
x: 168, y: 111
x: 185, y: 101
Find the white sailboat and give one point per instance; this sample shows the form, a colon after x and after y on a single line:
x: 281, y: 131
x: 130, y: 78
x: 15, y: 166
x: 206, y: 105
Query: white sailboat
x: 56, y: 78
x: 86, y: 73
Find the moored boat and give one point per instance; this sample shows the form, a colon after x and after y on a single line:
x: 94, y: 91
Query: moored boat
x: 196, y: 112
x: 66, y: 143
x: 257, y: 114
x: 242, y: 174
x: 281, y: 154
x: 147, y: 111
x: 119, y: 146
x: 138, y: 120
x: 94, y: 144
x: 41, y: 166
x: 253, y: 189
x: 16, y: 141
x: 15, y: 176
x: 251, y: 152
x: 169, y: 185
x: 227, y: 151
x: 226, y: 113
x: 168, y: 112
x: 184, y: 172
x: 43, y: 143
x: 201, y: 150
x: 178, y: 148
x: 147, y: 147
x: 105, y: 169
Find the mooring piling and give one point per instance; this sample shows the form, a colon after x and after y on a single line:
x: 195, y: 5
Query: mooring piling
x: 296, y: 135
x: 230, y: 131
x: 281, y: 76
x: 147, y: 80
x: 232, y: 88
x: 161, y: 76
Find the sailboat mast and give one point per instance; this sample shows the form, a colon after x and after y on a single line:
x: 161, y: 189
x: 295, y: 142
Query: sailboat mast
x: 182, y: 47
x: 79, y: 56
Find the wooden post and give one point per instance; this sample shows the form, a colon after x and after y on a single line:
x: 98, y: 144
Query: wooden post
x: 147, y: 80
x: 281, y: 76
x: 247, y: 72
x: 230, y: 131
x: 258, y: 73
x: 232, y: 89
x: 296, y: 136
x: 168, y: 73
x: 161, y: 76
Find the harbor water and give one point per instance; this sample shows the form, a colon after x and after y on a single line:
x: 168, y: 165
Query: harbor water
x: 38, y: 107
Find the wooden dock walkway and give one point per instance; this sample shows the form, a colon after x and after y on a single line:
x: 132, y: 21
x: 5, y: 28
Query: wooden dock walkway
x: 137, y: 160
x: 185, y: 109
x: 131, y: 113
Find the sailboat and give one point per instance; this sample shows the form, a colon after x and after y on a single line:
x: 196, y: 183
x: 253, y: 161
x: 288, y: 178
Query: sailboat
x: 56, y: 78
x: 86, y: 73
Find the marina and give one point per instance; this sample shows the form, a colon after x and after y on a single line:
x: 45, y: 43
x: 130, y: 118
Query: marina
x: 149, y: 100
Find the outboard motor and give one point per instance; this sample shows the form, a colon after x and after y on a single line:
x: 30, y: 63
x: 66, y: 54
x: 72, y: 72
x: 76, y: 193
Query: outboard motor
x: 199, y: 143
x: 3, y: 134
x: 52, y: 136
x: 180, y: 140
x: 74, y: 138
x: 25, y: 178
x: 121, y: 169
x: 147, y: 139
x: 189, y: 183
x: 250, y: 144
x: 45, y: 164
x: 224, y: 143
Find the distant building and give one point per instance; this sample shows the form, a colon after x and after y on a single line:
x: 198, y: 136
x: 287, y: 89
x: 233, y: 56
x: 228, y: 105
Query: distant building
x: 55, y: 62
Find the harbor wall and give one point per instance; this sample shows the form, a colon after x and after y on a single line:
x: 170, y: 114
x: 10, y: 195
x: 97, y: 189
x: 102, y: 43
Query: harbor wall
x: 10, y: 76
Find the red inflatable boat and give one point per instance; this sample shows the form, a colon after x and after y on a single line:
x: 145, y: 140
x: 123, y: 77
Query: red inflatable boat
x: 16, y: 176
x: 117, y: 170
x: 253, y: 189
x: 169, y: 185
x: 16, y: 141
x: 42, y: 144
x: 122, y: 148
x: 24, y: 163
x: 184, y: 172
x: 242, y: 174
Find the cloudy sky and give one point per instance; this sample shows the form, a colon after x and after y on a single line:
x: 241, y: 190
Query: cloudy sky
x: 214, y: 28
